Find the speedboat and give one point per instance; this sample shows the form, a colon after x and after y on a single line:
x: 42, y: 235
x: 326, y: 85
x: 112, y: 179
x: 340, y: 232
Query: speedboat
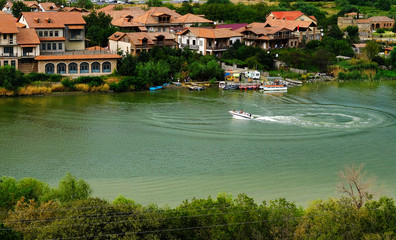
x: 198, y: 88
x: 273, y: 87
x: 241, y: 114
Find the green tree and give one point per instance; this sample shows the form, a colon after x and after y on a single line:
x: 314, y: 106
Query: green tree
x: 218, y: 1
x: 99, y: 28
x: 2, y: 3
x: 384, y: 5
x: 18, y: 7
x: 393, y: 58
x: 71, y: 189
x: 154, y: 3
x: 153, y: 73
x: 336, y: 32
x: 9, y: 234
x: 371, y: 50
x: 353, y: 34
x: 87, y: 4
x: 322, y: 58
x: 11, y: 78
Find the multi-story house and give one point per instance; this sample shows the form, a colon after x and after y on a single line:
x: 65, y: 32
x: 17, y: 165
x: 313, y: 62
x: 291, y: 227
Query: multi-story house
x: 291, y: 15
x: 208, y: 40
x: 48, y: 7
x: 136, y: 42
x: 62, y: 45
x: 8, y: 40
x: 158, y: 19
x: 57, y: 31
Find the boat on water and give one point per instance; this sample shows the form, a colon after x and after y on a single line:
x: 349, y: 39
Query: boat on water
x: 231, y: 87
x: 241, y: 114
x: 197, y: 88
x: 273, y: 87
x: 155, y: 88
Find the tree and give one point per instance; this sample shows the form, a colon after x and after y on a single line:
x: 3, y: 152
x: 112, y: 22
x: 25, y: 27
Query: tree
x: 153, y: 73
x: 18, y: 7
x: 87, y: 4
x: 393, y: 58
x: 336, y: 32
x: 154, y: 3
x: 99, y: 28
x: 70, y: 189
x: 371, y: 50
x: 11, y: 78
x: 384, y: 5
x: 353, y: 34
x: 355, y: 184
x: 322, y: 59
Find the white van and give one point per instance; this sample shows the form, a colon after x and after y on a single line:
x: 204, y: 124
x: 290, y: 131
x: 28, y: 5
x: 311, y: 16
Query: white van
x: 252, y: 74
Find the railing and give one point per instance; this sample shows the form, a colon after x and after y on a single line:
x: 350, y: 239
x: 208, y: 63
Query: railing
x: 193, y: 47
x: 9, y: 55
x: 82, y: 52
x: 221, y: 47
x: 76, y: 38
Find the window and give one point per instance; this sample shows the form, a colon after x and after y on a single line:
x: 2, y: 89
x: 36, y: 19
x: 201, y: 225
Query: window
x: 84, y: 67
x: 13, y: 63
x: 61, y: 68
x: 5, y: 63
x: 51, y: 33
x: 95, y: 67
x: 72, y: 68
x: 43, y: 46
x: 9, y: 51
x: 106, y: 67
x: 53, y: 46
x: 45, y: 33
x: 60, y: 47
x: 40, y: 33
x: 49, y: 68
x: 4, y: 36
x: 56, y: 33
x: 193, y: 42
x: 48, y: 46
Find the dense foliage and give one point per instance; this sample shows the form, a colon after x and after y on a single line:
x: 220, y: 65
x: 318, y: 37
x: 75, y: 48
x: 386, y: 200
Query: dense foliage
x: 32, y: 210
x: 99, y: 28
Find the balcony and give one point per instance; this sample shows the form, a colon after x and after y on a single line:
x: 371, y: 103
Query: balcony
x: 8, y: 55
x: 192, y: 47
x: 28, y: 55
x: 76, y: 38
x: 220, y: 47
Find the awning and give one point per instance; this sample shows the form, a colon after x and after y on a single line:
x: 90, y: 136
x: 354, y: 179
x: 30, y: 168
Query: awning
x: 76, y: 27
x: 28, y: 46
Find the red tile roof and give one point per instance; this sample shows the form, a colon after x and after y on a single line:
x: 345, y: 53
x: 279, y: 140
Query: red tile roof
x: 191, y: 18
x: 288, y: 15
x: 233, y: 26
x: 52, y: 19
x: 7, y: 24
x: 211, y: 32
x: 27, y: 36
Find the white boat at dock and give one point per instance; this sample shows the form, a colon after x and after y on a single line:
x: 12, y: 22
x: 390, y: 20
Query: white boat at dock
x: 241, y: 114
x: 273, y: 87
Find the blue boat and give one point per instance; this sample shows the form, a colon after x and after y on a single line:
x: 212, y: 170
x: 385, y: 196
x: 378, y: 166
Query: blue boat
x: 155, y: 88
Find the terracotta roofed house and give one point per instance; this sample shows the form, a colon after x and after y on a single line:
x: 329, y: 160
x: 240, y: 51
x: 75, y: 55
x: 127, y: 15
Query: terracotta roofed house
x: 8, y: 40
x: 381, y: 22
x: 291, y: 15
x: 48, y: 7
x: 208, y: 40
x: 58, y: 31
x: 136, y: 42
x: 190, y: 19
x: 159, y: 19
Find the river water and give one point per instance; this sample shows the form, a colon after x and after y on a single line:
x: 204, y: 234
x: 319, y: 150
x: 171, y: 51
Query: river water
x: 167, y: 146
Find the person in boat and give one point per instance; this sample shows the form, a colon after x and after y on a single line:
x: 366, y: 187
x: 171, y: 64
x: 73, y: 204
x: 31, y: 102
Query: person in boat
x: 241, y: 110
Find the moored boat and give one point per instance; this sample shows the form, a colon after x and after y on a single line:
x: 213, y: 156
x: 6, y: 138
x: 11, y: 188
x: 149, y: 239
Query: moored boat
x: 155, y: 88
x: 273, y: 87
x: 241, y: 114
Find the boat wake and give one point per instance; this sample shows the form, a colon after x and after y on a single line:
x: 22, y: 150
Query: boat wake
x: 339, y: 120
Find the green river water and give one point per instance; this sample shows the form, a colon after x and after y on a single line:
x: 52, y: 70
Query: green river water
x: 167, y: 146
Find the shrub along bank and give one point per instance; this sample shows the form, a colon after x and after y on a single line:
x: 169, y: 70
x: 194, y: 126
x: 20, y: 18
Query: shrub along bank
x: 30, y: 209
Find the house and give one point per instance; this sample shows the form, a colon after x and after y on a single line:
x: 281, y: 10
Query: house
x: 190, y: 19
x: 266, y: 37
x: 159, y: 19
x: 8, y: 41
x: 381, y: 22
x: 208, y: 40
x: 33, y: 5
x: 62, y: 45
x: 126, y: 23
x: 305, y: 30
x: 366, y: 26
x: 48, y: 7
x: 290, y: 15
x: 136, y: 42
x: 57, y: 31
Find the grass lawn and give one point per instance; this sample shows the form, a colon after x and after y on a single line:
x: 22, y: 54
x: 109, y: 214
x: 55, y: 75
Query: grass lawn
x: 387, y: 34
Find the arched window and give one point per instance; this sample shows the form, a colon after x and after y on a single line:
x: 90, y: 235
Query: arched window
x: 72, y: 68
x: 95, y: 67
x: 84, y: 67
x: 61, y: 68
x: 106, y: 67
x: 49, y: 68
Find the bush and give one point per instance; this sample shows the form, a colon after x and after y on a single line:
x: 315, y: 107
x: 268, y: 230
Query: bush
x: 67, y: 83
x: 380, y: 30
x: 11, y: 79
x: 34, y: 77
x: 91, y: 81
